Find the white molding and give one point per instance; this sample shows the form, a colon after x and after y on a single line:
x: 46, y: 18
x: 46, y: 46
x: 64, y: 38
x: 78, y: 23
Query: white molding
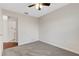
x: 65, y: 48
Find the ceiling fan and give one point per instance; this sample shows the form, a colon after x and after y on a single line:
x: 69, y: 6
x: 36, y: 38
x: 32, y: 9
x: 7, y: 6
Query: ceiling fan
x: 39, y: 5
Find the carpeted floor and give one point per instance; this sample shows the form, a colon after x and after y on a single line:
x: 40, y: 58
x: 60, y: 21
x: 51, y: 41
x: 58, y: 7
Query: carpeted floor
x: 37, y: 48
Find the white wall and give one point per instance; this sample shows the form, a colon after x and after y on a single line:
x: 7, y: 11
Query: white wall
x: 61, y: 28
x: 1, y: 33
x: 27, y: 27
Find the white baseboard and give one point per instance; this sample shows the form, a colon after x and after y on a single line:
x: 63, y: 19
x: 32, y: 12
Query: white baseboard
x: 65, y: 48
x: 77, y: 52
x: 21, y: 43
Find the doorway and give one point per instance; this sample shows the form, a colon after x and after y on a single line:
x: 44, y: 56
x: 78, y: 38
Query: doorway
x: 10, y: 31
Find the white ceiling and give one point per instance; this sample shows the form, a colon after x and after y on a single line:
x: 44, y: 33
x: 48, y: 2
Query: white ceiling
x: 22, y: 7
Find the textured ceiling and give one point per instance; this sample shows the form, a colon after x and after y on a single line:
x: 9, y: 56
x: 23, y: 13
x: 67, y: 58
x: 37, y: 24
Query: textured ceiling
x: 22, y: 7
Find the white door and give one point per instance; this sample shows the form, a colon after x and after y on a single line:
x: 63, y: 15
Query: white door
x: 12, y: 29
x: 1, y: 35
x: 9, y: 29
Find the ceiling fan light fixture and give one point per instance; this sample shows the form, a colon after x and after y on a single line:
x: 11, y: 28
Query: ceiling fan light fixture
x: 37, y: 6
x: 41, y: 6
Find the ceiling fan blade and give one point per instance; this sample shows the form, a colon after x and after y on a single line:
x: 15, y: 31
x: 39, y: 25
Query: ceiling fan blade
x: 31, y: 5
x: 46, y: 4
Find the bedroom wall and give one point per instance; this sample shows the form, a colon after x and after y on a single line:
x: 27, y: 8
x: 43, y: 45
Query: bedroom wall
x: 61, y: 28
x: 27, y: 27
x: 1, y: 33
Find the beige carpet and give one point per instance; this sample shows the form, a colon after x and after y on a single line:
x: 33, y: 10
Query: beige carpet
x: 37, y: 48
